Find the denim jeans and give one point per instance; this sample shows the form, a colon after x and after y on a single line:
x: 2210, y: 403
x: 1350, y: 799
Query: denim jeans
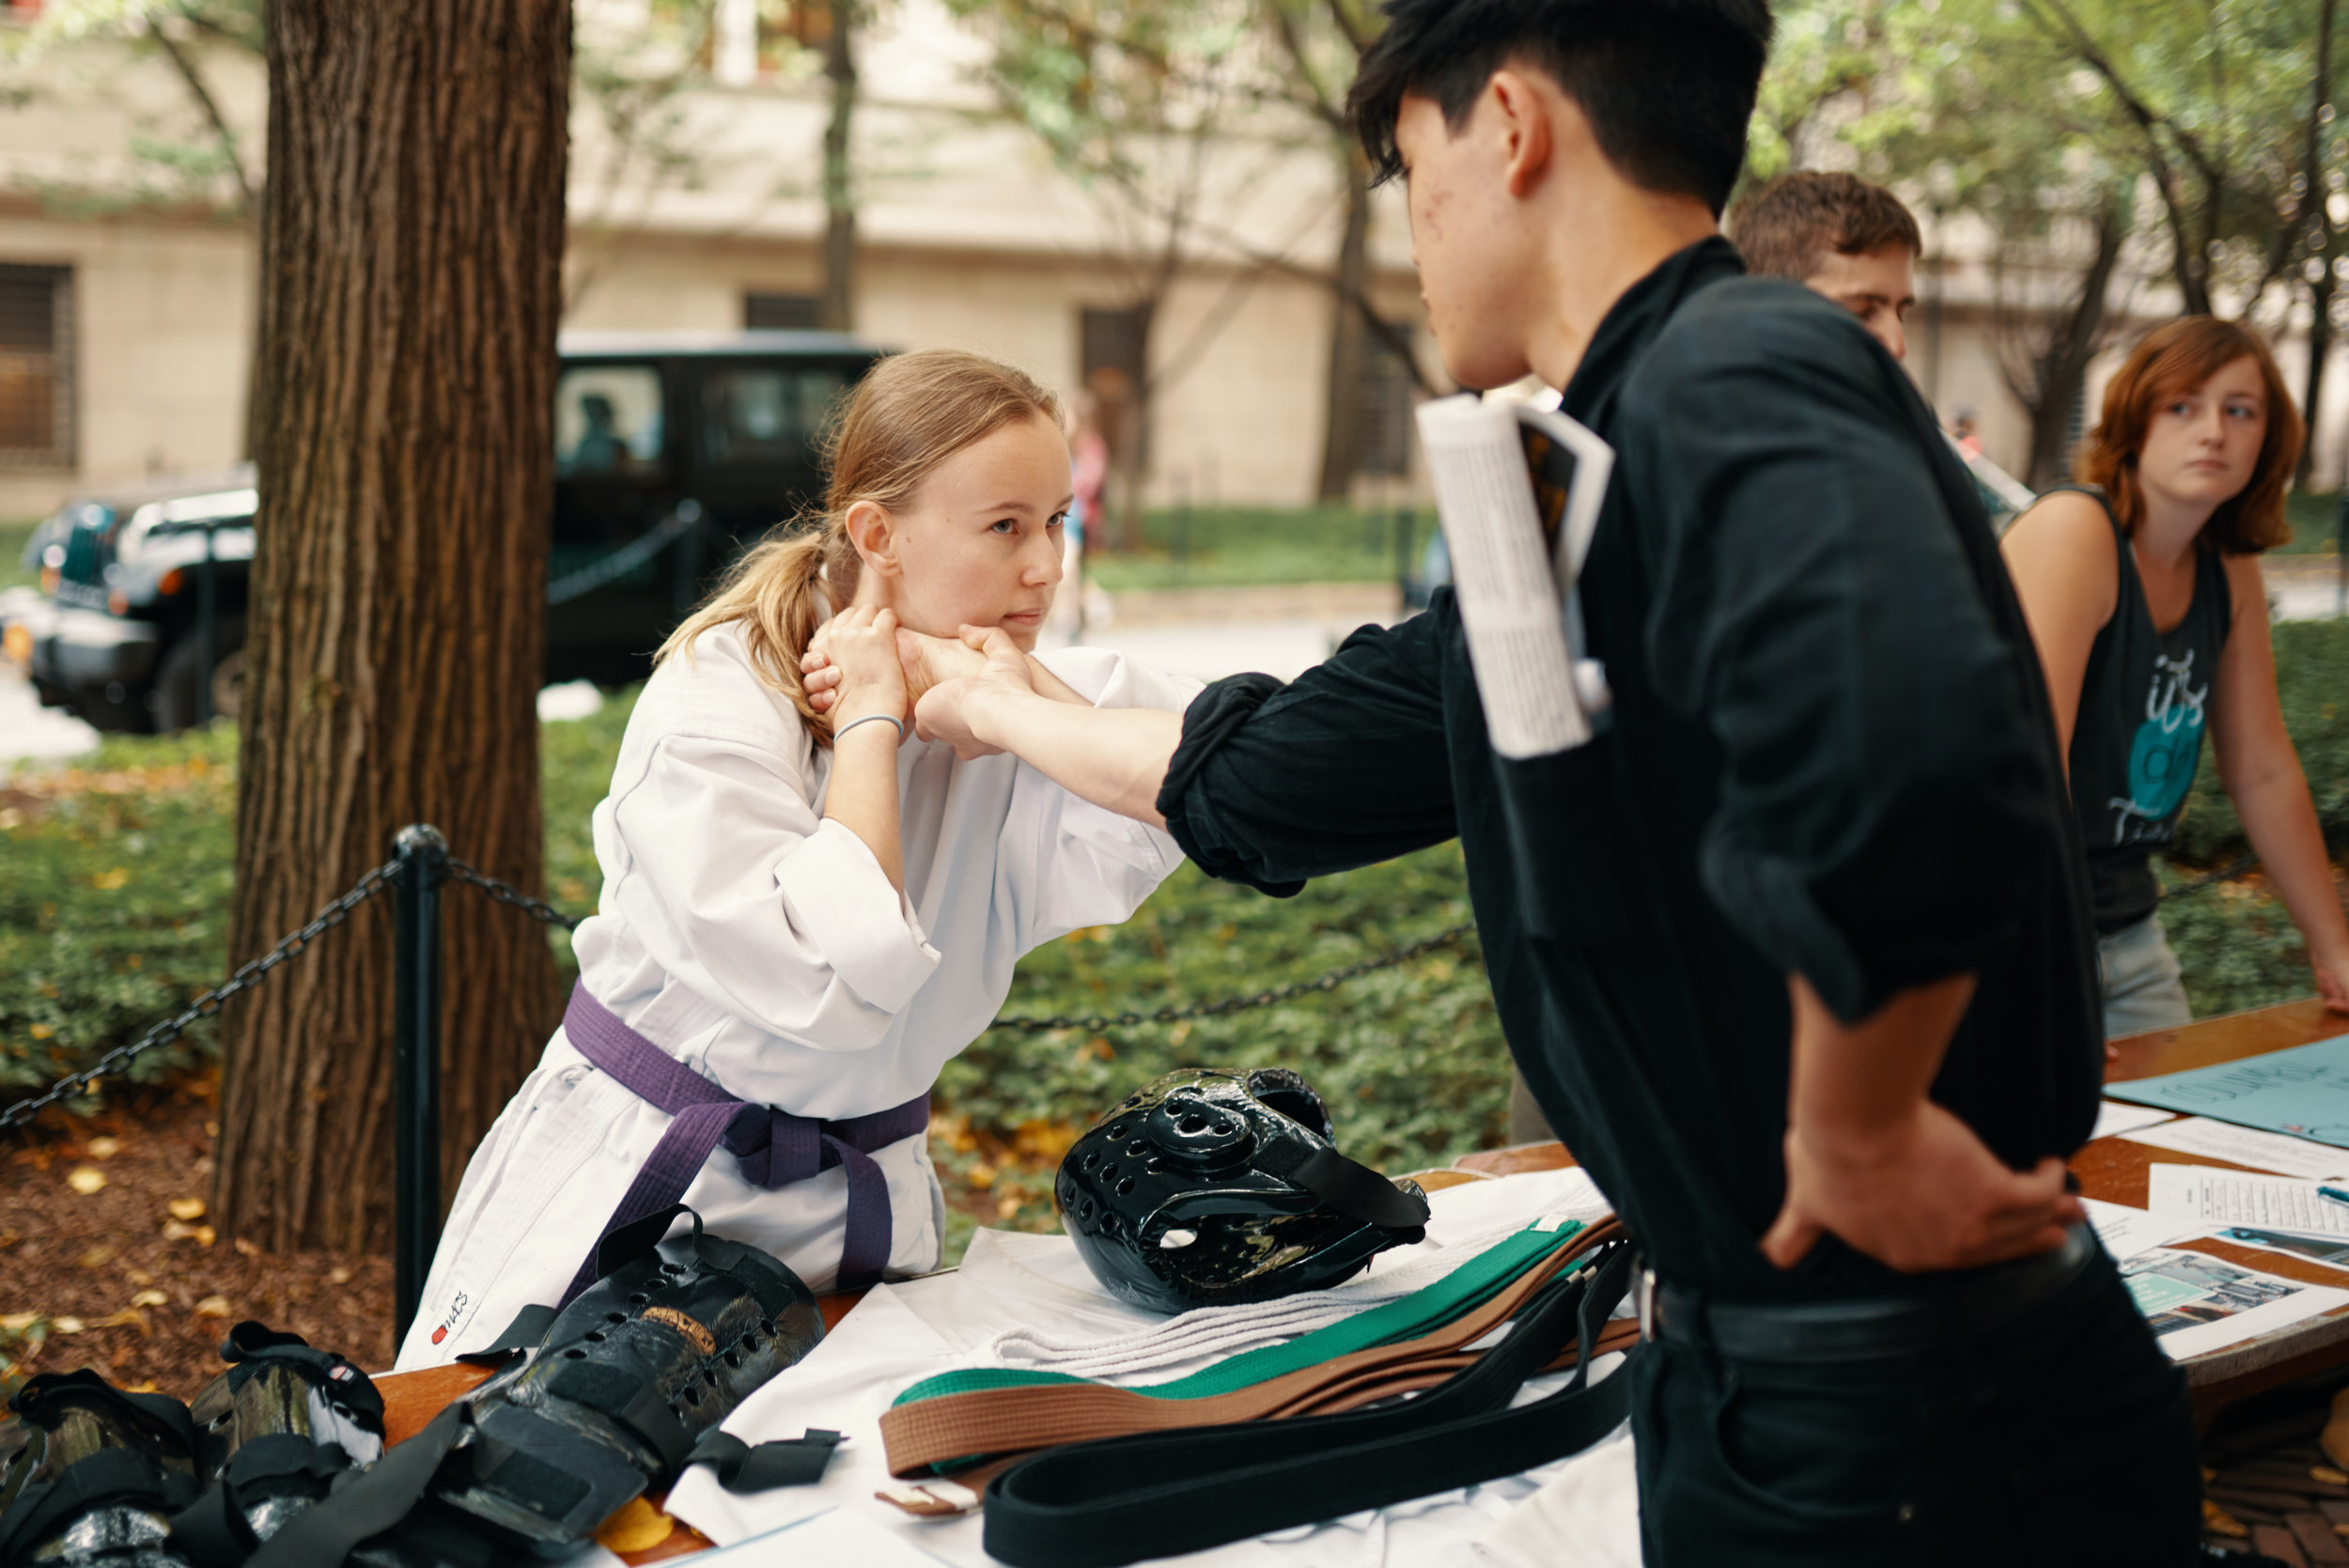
x: 2063, y: 1438
x: 2141, y: 983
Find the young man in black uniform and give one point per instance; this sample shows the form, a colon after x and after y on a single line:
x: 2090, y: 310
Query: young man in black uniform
x: 1794, y: 954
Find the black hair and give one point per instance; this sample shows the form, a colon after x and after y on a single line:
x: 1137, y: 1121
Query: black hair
x: 1668, y: 84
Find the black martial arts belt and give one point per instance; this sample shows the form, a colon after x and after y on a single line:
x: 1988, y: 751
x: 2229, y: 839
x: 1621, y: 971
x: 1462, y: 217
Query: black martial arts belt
x: 1161, y: 1493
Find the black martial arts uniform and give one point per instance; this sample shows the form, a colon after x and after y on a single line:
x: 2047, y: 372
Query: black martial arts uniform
x: 1830, y: 752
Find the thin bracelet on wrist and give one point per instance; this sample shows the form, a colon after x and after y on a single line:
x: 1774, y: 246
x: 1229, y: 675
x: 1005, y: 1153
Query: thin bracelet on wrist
x: 869, y: 719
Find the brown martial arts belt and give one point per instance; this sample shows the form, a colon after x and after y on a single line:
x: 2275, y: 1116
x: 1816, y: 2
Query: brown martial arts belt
x: 952, y: 1432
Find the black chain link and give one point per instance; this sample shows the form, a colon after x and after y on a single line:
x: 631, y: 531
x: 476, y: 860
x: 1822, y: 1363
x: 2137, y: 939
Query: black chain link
x: 1096, y: 1022
x: 212, y: 1002
x: 506, y: 892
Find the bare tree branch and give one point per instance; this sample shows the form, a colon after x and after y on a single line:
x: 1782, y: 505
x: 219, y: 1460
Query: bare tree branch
x: 248, y: 199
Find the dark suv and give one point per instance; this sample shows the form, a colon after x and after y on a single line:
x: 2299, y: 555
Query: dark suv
x: 673, y: 452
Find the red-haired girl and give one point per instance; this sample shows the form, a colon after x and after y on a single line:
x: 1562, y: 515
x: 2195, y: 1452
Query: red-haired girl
x: 2142, y: 583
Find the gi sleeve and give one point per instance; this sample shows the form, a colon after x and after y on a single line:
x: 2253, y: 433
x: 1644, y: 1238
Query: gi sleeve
x: 1815, y: 607
x: 1076, y: 863
x: 737, y: 886
x: 1343, y: 766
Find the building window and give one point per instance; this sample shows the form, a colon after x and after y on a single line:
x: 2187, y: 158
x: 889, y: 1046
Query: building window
x: 1383, y: 441
x: 786, y: 312
x: 36, y: 366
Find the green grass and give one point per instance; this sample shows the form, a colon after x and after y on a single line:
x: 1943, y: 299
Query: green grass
x: 1211, y: 547
x: 2315, y: 518
x: 14, y: 533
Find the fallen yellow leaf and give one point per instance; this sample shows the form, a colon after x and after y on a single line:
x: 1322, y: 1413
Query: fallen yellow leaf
x: 174, y: 1231
x: 338, y: 1275
x: 138, y: 1276
x: 150, y: 1299
x: 104, y: 1148
x: 130, y: 1317
x: 85, y: 1179
x: 637, y: 1527
x: 212, y: 1306
x: 42, y: 1032
x: 108, y: 881
x: 187, y: 1208
x: 16, y: 1322
x: 66, y: 1325
x: 205, y: 1236
x: 247, y: 1249
x: 97, y: 1257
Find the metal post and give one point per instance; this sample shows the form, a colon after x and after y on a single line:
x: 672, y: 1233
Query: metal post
x: 423, y: 858
x: 689, y: 558
x: 207, y: 629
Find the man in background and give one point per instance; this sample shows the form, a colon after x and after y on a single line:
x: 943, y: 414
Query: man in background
x: 1839, y: 236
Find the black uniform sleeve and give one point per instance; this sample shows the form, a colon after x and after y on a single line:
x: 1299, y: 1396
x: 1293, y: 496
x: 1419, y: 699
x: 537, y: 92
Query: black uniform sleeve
x: 1342, y: 768
x: 1816, y: 608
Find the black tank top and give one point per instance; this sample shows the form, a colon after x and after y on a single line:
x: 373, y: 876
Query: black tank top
x: 2138, y: 735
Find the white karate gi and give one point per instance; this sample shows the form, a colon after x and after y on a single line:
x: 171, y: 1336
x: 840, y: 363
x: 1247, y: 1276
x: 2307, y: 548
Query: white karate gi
x: 764, y: 947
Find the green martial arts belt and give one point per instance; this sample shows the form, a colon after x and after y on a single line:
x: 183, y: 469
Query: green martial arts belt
x: 988, y: 1415
x: 1161, y: 1494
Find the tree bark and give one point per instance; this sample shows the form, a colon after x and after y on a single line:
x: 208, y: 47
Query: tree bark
x: 837, y: 308
x: 1350, y: 333
x: 2060, y: 368
x: 2320, y: 219
x: 411, y: 287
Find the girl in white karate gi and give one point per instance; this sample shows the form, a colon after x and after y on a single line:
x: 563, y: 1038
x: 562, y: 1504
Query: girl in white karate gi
x: 810, y: 909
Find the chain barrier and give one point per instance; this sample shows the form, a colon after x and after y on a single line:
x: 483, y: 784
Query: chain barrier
x: 381, y: 877
x: 539, y: 909
x: 629, y: 556
x: 1094, y: 1023
x: 512, y: 897
x: 73, y: 1084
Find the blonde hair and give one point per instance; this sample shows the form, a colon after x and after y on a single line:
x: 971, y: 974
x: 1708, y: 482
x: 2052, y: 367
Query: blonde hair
x: 909, y: 414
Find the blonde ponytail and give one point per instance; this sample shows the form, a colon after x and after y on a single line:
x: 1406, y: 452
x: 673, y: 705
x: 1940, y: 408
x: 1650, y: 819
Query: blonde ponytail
x: 909, y: 414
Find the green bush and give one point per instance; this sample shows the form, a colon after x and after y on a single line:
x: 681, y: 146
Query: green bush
x: 2312, y: 686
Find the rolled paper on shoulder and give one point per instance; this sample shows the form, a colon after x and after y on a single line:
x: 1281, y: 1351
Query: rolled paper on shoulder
x: 1504, y: 576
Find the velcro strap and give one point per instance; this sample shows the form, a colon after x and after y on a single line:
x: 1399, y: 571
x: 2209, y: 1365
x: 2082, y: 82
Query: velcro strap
x: 528, y: 1329
x: 1349, y: 1186
x: 365, y: 1503
x: 791, y: 1462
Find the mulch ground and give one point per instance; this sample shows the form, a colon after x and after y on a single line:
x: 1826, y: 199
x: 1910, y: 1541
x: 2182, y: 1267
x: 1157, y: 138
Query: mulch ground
x: 98, y: 1269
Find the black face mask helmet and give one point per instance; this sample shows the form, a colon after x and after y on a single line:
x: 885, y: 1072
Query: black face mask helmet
x: 1209, y: 1187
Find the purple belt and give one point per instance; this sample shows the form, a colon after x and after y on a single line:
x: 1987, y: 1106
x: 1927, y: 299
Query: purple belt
x: 775, y: 1147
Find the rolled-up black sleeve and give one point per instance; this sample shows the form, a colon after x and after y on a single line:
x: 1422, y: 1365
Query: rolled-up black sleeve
x: 1814, y: 609
x: 1343, y: 766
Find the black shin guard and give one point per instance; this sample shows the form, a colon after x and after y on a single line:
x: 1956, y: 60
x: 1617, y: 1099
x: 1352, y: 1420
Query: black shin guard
x: 277, y: 1430
x: 626, y: 1381
x: 99, y: 1476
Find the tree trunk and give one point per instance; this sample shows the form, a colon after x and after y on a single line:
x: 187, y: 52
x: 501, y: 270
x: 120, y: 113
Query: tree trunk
x: 2320, y: 219
x: 2320, y: 348
x: 2061, y: 369
x: 837, y: 308
x: 1349, y: 335
x: 410, y: 285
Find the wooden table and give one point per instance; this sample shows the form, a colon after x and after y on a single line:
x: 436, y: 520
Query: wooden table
x: 2113, y: 1170
x: 2110, y: 1168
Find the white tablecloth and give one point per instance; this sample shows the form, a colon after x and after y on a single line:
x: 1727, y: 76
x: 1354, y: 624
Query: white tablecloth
x: 898, y: 1334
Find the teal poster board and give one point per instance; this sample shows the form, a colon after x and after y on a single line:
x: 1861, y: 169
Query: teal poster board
x: 2304, y: 1091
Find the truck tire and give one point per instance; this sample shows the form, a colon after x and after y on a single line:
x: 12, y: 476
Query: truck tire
x: 173, y: 698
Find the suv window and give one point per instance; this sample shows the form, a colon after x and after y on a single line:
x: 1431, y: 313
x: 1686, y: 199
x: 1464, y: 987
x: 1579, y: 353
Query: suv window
x: 607, y: 420
x: 766, y: 417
